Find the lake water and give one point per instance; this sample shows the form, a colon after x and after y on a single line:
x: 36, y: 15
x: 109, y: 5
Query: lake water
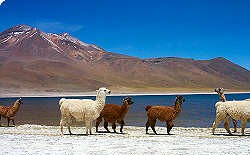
x: 197, y: 111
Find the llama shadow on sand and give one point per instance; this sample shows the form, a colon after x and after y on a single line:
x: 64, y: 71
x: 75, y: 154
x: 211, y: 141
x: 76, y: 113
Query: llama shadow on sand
x: 5, y: 126
x: 160, y: 134
x: 123, y: 133
x: 233, y: 135
x: 81, y: 134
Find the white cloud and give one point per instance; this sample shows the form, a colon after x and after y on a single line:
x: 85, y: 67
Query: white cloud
x: 1, y: 1
x: 50, y: 26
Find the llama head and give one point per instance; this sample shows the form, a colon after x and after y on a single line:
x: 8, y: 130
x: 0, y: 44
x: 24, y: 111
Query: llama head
x: 128, y: 100
x: 19, y: 101
x: 179, y: 99
x: 103, y: 90
x: 219, y: 90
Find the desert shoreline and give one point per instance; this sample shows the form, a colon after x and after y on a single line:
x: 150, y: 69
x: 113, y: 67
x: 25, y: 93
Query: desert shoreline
x: 38, y: 139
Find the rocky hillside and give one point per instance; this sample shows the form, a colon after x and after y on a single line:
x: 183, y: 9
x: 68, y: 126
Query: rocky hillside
x: 37, y: 61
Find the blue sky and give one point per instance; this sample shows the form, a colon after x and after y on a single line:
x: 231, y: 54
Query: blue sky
x: 160, y: 28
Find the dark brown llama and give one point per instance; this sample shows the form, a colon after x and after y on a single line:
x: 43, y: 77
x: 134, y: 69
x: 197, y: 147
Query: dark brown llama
x: 113, y: 113
x: 164, y: 113
x: 9, y: 112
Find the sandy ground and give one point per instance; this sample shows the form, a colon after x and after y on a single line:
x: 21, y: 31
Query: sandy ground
x: 37, y: 139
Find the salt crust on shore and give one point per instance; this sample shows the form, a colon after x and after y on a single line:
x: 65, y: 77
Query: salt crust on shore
x: 37, y: 139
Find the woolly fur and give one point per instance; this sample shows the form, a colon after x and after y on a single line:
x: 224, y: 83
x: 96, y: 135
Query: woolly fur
x: 238, y: 110
x: 86, y: 110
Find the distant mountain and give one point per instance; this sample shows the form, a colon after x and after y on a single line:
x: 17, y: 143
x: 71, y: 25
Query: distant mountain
x: 37, y: 61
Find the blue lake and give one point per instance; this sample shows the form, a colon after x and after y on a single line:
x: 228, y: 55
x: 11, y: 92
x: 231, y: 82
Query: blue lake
x: 197, y: 111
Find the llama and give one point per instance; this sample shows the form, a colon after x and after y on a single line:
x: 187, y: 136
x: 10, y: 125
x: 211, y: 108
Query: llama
x: 238, y: 110
x: 114, y: 113
x: 164, y: 113
x: 86, y: 110
x: 9, y: 112
x: 220, y: 92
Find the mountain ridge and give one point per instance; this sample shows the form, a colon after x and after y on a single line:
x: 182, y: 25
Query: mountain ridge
x: 31, y: 59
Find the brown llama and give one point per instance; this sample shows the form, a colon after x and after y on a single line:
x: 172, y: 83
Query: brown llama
x: 113, y: 113
x: 220, y: 92
x: 164, y: 113
x: 9, y: 112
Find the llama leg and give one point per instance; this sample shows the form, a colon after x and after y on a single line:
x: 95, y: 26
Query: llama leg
x: 69, y: 130
x: 226, y: 124
x: 69, y: 122
x: 98, y: 121
x: 8, y: 119
x: 61, y: 129
x: 235, y: 125
x: 114, y: 127
x: 218, y: 119
x: 147, y: 126
x: 122, y: 124
x: 215, y: 124
x: 152, y: 125
x: 61, y: 125
x: 87, y: 131
x: 106, y: 125
x: 243, y: 126
x: 13, y: 122
x: 90, y: 127
x: 87, y: 122
x: 170, y: 125
x: 0, y: 120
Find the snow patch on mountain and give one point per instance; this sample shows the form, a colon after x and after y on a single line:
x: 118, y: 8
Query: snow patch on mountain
x: 74, y: 40
x: 1, y: 1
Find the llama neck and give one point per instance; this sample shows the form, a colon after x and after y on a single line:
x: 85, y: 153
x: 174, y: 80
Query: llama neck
x: 177, y: 107
x: 222, y: 97
x: 15, y: 107
x: 124, y: 109
x: 100, y: 99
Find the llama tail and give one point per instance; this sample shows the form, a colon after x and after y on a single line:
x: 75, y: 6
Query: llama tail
x: 61, y: 101
x: 148, y: 107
